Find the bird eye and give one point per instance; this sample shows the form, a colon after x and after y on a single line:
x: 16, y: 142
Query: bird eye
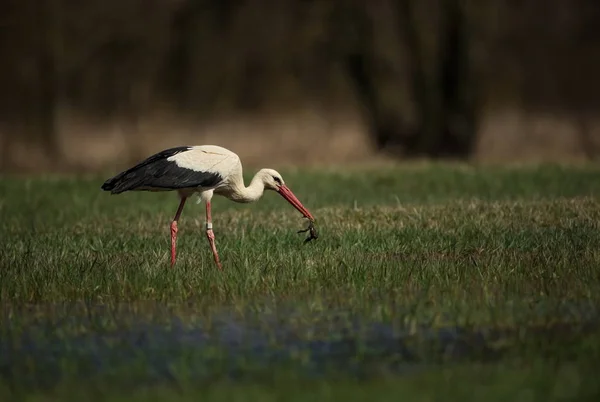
x: 277, y: 180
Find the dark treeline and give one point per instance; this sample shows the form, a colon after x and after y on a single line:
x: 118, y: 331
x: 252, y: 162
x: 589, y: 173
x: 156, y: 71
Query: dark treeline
x: 422, y: 69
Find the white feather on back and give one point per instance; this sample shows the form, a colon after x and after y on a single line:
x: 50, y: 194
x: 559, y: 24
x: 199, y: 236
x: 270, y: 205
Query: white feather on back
x: 209, y: 158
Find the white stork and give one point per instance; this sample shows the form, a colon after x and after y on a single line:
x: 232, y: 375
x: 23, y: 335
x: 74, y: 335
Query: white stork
x: 203, y: 169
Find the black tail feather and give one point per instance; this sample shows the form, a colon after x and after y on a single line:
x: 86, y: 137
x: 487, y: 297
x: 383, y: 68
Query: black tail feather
x: 157, y: 173
x: 108, y: 185
x: 126, y: 181
x: 116, y: 185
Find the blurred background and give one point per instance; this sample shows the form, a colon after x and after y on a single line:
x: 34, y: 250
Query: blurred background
x: 95, y: 84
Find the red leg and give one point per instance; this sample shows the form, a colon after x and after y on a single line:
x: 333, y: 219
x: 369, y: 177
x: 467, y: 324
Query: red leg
x: 211, y: 236
x: 174, y: 229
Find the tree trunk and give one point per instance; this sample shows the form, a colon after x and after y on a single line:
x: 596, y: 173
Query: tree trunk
x: 445, y: 102
x: 443, y: 98
x: 48, y: 40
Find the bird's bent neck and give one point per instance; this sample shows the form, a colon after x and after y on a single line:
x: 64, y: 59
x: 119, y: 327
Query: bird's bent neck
x: 253, y: 192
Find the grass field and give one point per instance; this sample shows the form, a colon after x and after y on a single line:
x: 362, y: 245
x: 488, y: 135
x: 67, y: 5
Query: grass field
x: 430, y: 282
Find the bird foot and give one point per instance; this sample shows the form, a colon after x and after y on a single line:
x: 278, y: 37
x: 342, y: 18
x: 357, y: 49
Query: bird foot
x: 211, y: 239
x: 174, y: 231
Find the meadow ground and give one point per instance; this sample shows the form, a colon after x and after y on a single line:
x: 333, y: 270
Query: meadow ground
x: 431, y: 282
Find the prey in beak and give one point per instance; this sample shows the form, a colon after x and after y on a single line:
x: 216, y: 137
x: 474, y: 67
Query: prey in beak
x: 279, y: 186
x: 292, y: 199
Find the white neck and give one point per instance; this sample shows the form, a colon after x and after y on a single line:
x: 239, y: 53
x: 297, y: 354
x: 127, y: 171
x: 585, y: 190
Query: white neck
x: 241, y: 193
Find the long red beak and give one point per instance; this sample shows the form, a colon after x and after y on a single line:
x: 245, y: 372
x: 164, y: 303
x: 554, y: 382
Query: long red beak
x: 291, y: 198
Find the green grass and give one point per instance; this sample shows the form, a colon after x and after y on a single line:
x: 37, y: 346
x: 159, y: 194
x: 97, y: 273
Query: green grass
x: 429, y: 282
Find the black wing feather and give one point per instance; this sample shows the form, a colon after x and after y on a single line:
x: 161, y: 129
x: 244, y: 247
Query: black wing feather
x: 156, y: 172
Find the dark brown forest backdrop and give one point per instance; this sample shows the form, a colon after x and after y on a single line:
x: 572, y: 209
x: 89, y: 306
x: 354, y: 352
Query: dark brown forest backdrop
x: 87, y: 84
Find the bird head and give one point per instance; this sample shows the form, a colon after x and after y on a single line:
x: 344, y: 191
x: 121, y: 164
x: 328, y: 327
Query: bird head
x: 272, y: 180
